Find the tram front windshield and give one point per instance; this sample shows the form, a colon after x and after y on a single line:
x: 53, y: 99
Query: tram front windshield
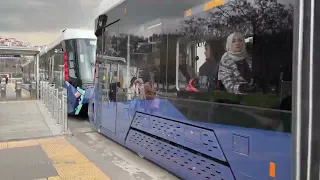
x: 86, y: 59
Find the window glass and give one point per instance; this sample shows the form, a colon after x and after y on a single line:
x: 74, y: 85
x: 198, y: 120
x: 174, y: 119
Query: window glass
x: 70, y: 48
x: 87, y: 57
x: 230, y: 64
x: 238, y: 54
x: 148, y: 60
x: 58, y: 69
x: 112, y: 51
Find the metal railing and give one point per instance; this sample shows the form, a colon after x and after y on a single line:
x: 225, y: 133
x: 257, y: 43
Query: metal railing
x: 55, y: 100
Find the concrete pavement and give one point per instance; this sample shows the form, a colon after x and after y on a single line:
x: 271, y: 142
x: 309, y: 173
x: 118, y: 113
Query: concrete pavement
x: 22, y: 120
x: 52, y: 158
x: 29, y: 149
x: 84, y: 156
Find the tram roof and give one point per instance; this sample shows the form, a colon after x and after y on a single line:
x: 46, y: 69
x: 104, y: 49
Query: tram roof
x: 17, y: 50
x: 69, y: 34
x: 107, y: 5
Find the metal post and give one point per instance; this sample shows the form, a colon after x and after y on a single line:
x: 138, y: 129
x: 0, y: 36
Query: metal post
x: 305, y: 105
x: 56, y: 105
x: 3, y: 88
x: 59, y: 104
x: 51, y: 98
x: 18, y: 89
x: 47, y: 95
x: 53, y: 103
x: 41, y: 91
x: 33, y: 90
x: 64, y: 113
x: 37, y: 74
x: 45, y: 91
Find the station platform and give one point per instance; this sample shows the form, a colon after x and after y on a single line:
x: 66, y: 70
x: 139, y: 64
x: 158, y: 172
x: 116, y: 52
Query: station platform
x: 24, y: 120
x: 81, y: 157
x: 33, y: 148
x: 51, y: 158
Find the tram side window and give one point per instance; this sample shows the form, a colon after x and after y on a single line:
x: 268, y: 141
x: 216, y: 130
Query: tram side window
x: 115, y: 47
x: 148, y: 59
x: 58, y: 69
x: 238, y: 65
x: 240, y: 58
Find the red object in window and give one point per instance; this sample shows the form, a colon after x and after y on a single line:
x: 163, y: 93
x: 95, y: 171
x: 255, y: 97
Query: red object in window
x: 66, y: 67
x: 190, y: 87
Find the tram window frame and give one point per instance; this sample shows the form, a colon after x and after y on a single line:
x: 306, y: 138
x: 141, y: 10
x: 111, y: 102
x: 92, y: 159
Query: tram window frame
x: 252, y: 107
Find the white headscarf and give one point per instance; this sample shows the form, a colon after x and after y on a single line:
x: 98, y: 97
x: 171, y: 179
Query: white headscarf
x: 237, y: 56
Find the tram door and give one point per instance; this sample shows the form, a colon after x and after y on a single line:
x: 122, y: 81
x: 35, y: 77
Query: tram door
x: 107, y: 109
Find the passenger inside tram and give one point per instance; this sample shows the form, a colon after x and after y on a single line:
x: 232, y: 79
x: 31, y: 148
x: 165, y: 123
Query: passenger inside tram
x: 206, y: 79
x: 236, y: 79
x: 210, y: 66
x: 235, y: 68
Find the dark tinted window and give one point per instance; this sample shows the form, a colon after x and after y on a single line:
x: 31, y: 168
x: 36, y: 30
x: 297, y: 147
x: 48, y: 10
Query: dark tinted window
x: 222, y: 63
x: 58, y: 72
x: 112, y: 52
x: 86, y: 51
x: 71, y: 50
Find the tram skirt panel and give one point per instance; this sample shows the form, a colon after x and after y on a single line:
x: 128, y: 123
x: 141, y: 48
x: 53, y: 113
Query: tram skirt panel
x: 189, y: 152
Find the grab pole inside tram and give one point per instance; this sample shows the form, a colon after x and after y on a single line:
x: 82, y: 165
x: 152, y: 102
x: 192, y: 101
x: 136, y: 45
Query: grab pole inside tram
x: 306, y: 92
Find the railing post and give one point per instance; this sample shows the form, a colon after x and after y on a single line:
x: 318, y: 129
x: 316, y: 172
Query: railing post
x: 40, y: 85
x: 64, y: 112
x: 59, y: 112
x: 51, y: 99
x: 47, y: 95
x: 42, y: 91
x: 54, y: 100
x: 56, y: 103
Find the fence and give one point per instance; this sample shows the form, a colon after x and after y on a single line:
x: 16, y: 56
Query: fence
x: 55, y: 100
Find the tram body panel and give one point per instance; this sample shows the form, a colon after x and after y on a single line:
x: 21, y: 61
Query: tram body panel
x: 194, y: 134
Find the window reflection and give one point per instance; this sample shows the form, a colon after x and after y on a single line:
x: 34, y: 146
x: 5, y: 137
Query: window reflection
x: 236, y: 57
x: 240, y: 54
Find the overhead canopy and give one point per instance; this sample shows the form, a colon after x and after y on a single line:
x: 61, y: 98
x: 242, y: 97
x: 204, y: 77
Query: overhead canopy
x: 23, y: 51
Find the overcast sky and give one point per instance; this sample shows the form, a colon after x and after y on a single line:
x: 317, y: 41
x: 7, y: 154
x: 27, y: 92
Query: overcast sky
x: 41, y: 21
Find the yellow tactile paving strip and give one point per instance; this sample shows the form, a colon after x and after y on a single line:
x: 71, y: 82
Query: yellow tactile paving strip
x: 67, y: 160
x: 54, y: 178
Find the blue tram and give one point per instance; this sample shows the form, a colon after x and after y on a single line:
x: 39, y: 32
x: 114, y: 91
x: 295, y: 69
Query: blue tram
x: 68, y: 62
x: 201, y: 88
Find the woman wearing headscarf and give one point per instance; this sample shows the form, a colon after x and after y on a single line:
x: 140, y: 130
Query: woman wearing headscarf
x: 235, y: 71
